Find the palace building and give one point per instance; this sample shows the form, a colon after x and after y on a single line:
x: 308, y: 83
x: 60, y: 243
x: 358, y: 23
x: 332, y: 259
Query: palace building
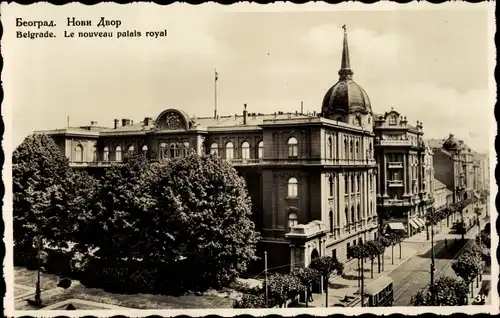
x: 311, y: 177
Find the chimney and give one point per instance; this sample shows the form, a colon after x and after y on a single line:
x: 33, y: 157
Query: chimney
x: 93, y: 123
x: 148, y: 121
x: 125, y: 122
x: 245, y: 113
x: 117, y: 123
x: 302, y: 107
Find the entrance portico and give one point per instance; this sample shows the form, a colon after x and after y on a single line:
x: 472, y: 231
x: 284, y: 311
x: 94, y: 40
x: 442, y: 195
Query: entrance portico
x: 307, y: 242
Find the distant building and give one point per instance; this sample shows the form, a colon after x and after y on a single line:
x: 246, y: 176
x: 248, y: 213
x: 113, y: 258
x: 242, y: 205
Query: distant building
x: 442, y: 195
x: 311, y: 177
x: 456, y: 166
x: 403, y: 181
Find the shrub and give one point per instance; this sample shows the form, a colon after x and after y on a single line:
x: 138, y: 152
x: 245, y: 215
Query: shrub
x: 64, y: 283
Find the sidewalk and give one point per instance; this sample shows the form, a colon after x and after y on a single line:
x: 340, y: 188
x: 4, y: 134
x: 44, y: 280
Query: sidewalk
x: 347, y: 284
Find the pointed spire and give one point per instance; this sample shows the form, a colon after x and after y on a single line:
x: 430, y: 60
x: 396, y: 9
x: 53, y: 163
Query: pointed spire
x: 345, y: 68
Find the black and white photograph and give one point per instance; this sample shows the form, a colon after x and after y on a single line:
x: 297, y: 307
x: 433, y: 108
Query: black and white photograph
x: 261, y: 159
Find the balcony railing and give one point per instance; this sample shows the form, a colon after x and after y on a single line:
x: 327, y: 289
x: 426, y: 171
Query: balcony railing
x: 395, y: 183
x: 395, y: 165
x: 395, y: 142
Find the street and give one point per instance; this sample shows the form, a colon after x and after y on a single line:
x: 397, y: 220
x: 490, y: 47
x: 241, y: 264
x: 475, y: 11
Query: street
x: 414, y: 274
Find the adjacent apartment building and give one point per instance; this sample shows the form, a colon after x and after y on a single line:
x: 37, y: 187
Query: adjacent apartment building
x: 403, y: 172
x: 311, y: 176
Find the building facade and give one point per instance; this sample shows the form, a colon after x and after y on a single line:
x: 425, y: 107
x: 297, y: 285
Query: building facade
x: 403, y: 175
x: 311, y: 177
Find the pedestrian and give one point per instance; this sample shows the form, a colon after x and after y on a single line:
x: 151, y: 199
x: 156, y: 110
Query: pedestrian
x: 310, y: 294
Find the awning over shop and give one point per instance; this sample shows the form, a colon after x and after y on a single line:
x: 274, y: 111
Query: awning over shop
x: 396, y: 226
x: 421, y: 222
x: 414, y: 224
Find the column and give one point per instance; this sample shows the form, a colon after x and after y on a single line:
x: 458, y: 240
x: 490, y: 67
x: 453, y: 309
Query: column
x: 386, y: 179
x: 405, y: 173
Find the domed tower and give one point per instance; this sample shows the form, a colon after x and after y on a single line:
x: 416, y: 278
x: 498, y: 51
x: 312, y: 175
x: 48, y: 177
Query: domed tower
x: 346, y: 101
x: 451, y: 144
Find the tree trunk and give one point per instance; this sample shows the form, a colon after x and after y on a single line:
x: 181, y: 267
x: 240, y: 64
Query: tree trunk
x: 326, y: 301
x: 378, y: 263
x: 399, y: 250
x: 472, y: 289
x: 371, y: 274
x: 359, y: 272
x: 307, y: 295
x: 383, y: 260
x: 392, y: 257
x: 362, y: 287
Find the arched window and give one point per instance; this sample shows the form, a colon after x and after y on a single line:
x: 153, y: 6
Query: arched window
x: 293, y: 147
x: 174, y: 150
x: 245, y: 150
x: 346, y: 216
x: 106, y: 154
x: 351, y: 150
x: 118, y: 153
x: 338, y: 218
x: 79, y: 153
x: 186, y: 148
x: 260, y: 153
x: 293, y: 190
x: 214, y: 149
x: 331, y: 221
x: 331, y: 179
x: 293, y: 220
x: 229, y: 151
x: 144, y: 150
x: 353, y: 184
x: 163, y: 150
x: 94, y: 154
x: 346, y: 184
x: 392, y: 120
x: 131, y: 150
x: 329, y: 148
x: 346, y: 148
x: 371, y: 208
x: 353, y: 219
x: 359, y: 213
x: 357, y: 150
x: 359, y: 184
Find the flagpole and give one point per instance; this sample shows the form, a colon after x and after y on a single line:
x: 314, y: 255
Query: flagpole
x: 215, y: 93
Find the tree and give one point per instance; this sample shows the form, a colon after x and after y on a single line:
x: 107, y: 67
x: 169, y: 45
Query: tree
x: 200, y: 211
x: 306, y: 277
x: 250, y: 301
x: 40, y: 173
x: 386, y: 242
x: 373, y: 249
x: 450, y: 291
x: 281, y: 288
x: 327, y: 265
x: 114, y: 223
x: 359, y: 252
x: 467, y: 267
x: 398, y: 236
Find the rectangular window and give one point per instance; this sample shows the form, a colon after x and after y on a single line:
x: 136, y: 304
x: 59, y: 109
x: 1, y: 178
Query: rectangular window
x: 348, y: 247
x: 334, y: 254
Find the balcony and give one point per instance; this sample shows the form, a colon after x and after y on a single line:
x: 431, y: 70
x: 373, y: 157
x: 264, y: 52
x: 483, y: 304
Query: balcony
x: 395, y: 165
x: 395, y: 183
x: 386, y: 142
x: 245, y: 162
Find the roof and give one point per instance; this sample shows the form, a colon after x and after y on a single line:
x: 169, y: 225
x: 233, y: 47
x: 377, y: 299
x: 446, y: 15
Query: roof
x: 438, y: 184
x: 435, y: 143
x: 377, y: 285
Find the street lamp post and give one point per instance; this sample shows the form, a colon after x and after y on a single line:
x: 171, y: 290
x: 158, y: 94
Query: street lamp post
x: 433, y: 265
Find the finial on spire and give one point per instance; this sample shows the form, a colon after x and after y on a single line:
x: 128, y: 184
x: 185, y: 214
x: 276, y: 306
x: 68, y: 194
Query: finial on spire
x: 345, y: 67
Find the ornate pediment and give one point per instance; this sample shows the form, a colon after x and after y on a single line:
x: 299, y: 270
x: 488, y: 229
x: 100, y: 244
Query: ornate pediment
x: 172, y: 119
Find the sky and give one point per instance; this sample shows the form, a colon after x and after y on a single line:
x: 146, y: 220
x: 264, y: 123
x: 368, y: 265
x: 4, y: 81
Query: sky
x: 431, y: 65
